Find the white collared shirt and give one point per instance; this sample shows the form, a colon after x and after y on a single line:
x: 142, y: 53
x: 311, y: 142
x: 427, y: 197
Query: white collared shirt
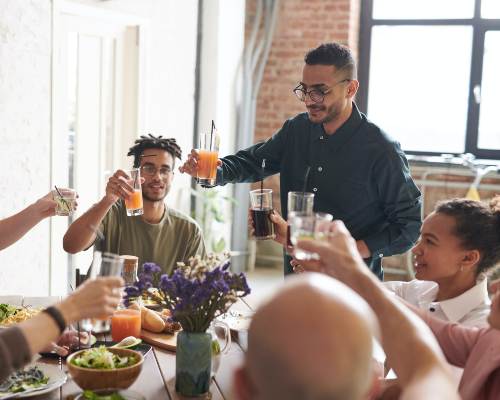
x: 471, y: 308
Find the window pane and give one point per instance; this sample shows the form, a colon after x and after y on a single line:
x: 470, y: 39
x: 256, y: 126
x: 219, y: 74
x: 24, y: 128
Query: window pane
x: 423, y: 9
x: 490, y: 9
x: 419, y: 83
x: 489, y: 128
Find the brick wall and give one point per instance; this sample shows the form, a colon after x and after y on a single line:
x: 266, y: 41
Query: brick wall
x: 302, y: 25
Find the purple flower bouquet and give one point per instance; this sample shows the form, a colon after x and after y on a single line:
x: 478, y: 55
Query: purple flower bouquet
x: 195, y: 293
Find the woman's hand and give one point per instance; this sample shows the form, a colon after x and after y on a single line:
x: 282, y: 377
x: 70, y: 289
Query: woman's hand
x: 45, y: 206
x: 68, y: 340
x: 96, y: 298
x: 338, y: 256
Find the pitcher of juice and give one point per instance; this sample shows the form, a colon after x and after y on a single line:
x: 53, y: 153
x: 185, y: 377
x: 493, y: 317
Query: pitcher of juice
x: 208, y: 153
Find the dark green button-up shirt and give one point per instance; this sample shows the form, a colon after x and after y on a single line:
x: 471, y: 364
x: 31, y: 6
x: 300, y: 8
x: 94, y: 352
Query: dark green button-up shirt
x: 358, y: 174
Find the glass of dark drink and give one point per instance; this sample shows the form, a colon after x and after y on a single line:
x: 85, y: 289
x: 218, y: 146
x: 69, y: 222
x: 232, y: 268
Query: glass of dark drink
x: 261, y: 208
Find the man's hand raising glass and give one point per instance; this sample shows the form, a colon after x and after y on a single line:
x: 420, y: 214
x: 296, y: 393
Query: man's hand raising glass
x: 190, y: 167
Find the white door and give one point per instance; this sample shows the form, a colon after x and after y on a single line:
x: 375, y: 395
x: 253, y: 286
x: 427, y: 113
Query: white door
x: 95, y: 115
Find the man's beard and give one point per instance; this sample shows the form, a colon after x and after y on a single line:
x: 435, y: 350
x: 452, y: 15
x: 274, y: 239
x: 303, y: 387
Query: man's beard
x: 332, y: 113
x: 156, y: 199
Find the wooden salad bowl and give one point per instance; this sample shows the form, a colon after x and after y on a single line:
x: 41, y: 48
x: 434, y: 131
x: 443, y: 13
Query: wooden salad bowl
x: 118, y: 378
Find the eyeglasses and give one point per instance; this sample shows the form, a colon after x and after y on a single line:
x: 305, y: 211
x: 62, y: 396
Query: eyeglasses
x: 151, y: 170
x: 316, y: 95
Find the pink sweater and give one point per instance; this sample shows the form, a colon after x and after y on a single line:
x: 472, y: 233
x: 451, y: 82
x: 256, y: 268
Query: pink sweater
x: 477, y: 351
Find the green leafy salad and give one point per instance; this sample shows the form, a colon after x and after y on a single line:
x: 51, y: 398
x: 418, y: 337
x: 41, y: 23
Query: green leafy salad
x: 6, y: 310
x: 90, y: 395
x: 101, y: 358
x: 23, y: 380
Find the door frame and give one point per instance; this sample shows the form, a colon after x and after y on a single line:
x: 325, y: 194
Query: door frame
x: 60, y: 276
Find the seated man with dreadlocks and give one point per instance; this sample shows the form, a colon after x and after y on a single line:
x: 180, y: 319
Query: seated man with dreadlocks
x: 161, y: 235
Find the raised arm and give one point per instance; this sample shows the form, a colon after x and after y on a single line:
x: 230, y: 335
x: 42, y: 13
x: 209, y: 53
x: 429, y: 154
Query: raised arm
x: 455, y: 340
x: 80, y: 235
x: 246, y: 165
x: 409, y: 344
x: 15, y: 227
x: 95, y: 298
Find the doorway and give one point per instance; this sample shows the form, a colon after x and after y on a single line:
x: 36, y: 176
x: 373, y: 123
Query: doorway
x: 96, y: 112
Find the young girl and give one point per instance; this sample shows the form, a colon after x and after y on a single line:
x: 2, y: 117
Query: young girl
x: 476, y: 350
x: 459, y: 242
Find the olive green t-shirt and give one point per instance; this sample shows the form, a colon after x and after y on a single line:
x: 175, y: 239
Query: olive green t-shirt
x: 175, y: 238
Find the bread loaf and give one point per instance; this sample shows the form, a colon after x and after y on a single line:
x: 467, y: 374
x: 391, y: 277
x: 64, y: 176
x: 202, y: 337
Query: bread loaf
x: 151, y: 321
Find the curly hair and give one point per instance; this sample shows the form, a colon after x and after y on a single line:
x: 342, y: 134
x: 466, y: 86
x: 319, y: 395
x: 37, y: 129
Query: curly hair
x: 153, y: 142
x: 477, y: 226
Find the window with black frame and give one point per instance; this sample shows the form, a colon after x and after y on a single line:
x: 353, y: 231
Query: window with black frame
x: 430, y: 73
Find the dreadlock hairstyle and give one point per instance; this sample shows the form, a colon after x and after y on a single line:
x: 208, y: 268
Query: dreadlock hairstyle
x: 153, y: 142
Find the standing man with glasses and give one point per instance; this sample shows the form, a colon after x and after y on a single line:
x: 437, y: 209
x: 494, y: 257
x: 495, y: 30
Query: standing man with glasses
x: 161, y: 234
x: 357, y: 173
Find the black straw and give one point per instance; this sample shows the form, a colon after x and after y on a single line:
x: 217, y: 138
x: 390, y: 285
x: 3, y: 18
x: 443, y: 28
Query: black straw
x: 213, y: 127
x: 262, y: 182
x: 306, y: 178
x: 62, y: 199
x: 135, y: 179
x: 304, y: 188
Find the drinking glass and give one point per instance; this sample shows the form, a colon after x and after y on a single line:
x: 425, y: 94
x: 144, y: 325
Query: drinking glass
x: 298, y: 202
x: 103, y: 264
x: 134, y: 203
x: 261, y: 208
x: 65, y: 199
x: 305, y: 226
x: 130, y: 267
x: 208, y: 154
x: 125, y: 323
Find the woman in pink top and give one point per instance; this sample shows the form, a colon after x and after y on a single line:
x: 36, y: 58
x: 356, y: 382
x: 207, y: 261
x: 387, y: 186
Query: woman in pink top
x: 475, y: 350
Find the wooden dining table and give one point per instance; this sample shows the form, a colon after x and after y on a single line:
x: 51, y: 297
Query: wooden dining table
x: 157, y: 378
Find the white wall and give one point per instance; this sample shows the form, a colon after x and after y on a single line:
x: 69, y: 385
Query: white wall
x: 25, y: 62
x: 25, y: 51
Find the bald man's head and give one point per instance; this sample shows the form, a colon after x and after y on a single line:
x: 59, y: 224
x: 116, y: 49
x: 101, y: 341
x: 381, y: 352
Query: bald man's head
x: 312, y: 340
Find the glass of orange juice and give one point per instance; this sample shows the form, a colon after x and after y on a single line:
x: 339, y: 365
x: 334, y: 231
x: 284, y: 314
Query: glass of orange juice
x: 134, y: 203
x: 125, y: 323
x: 208, y: 153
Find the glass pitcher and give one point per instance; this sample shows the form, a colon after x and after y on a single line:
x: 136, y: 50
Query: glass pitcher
x: 221, y: 342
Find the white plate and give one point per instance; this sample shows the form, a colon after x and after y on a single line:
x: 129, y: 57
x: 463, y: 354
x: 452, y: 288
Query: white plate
x: 56, y: 376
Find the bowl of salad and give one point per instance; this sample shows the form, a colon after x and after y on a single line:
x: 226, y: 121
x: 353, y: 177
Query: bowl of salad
x: 104, y: 367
